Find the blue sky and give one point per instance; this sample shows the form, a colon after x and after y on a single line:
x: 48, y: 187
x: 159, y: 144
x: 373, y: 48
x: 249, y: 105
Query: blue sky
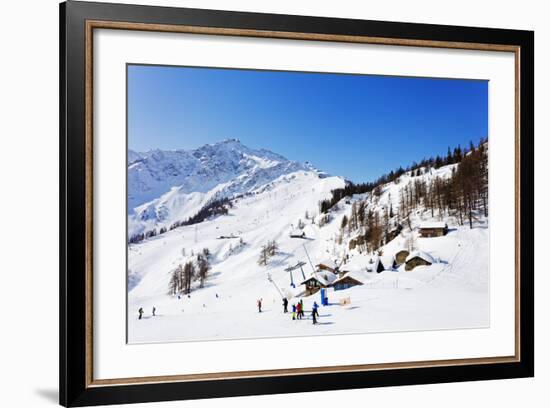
x: 356, y: 126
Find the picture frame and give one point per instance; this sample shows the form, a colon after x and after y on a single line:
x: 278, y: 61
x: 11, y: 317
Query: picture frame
x: 78, y: 23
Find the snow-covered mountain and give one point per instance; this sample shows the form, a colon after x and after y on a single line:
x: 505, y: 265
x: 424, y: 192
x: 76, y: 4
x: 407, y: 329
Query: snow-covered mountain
x: 168, y: 186
x: 284, y: 198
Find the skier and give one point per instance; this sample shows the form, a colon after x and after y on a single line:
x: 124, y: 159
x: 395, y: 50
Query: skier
x: 285, y: 305
x: 316, y: 308
x: 299, y: 310
x: 154, y: 310
x: 302, y: 307
x: 314, y: 316
x: 259, y: 305
x: 140, y: 311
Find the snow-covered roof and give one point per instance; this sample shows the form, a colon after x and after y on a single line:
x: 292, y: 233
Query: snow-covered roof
x: 421, y: 254
x: 327, y: 262
x: 387, y: 261
x: 297, y: 232
x: 374, y: 265
x: 353, y: 263
x: 323, y: 279
x: 432, y: 225
x: 355, y: 275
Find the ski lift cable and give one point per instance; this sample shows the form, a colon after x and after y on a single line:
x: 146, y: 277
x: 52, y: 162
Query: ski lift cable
x: 270, y: 279
x: 309, y: 259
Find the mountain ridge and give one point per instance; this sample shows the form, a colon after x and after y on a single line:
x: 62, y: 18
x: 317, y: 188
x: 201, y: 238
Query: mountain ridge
x: 155, y: 172
x: 165, y: 186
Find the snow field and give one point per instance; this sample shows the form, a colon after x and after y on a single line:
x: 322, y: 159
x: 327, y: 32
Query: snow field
x: 450, y: 294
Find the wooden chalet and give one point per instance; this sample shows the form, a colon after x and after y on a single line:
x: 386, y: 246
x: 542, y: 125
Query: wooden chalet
x: 297, y: 234
x: 401, y: 257
x: 418, y: 258
x: 382, y: 263
x: 315, y: 282
x: 345, y: 282
x: 327, y: 265
x: 433, y: 229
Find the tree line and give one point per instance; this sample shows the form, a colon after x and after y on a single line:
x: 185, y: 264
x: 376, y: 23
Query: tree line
x: 463, y: 195
x: 453, y: 156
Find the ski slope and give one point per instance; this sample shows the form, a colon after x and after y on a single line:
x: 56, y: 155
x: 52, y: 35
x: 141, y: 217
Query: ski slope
x: 449, y: 294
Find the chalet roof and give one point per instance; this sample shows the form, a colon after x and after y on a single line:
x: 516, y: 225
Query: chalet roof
x: 422, y: 255
x: 328, y: 262
x: 353, y: 263
x: 433, y: 225
x: 387, y: 261
x: 356, y: 276
x: 320, y: 277
x: 374, y: 265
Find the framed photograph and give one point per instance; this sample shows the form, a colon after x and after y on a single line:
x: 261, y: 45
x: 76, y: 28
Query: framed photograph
x: 256, y: 204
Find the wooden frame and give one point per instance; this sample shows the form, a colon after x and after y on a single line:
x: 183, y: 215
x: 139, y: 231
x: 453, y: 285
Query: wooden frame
x: 77, y: 22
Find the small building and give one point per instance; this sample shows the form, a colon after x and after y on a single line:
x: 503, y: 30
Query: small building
x: 327, y: 265
x: 433, y: 229
x: 297, y: 234
x: 388, y: 262
x: 375, y: 265
x: 341, y: 272
x: 316, y: 282
x: 401, y: 257
x: 418, y: 258
x: 347, y: 281
x: 381, y: 264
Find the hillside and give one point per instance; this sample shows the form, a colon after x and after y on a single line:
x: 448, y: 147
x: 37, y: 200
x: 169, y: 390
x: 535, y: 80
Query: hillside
x: 169, y: 186
x: 272, y: 199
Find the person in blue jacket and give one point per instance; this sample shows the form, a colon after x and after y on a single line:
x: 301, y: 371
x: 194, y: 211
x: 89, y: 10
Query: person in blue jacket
x: 316, y: 309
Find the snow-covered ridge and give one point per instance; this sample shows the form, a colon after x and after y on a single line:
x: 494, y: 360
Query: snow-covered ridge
x: 171, y: 185
x: 153, y: 173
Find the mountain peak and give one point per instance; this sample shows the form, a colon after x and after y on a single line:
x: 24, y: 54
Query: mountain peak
x: 228, y: 165
x: 231, y: 141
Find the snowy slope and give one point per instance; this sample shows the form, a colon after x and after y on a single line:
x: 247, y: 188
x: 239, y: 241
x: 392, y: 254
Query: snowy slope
x: 427, y: 298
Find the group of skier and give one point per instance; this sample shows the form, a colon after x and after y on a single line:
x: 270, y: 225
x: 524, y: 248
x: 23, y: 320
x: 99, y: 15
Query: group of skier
x: 140, y: 311
x: 298, y: 312
x: 297, y: 309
